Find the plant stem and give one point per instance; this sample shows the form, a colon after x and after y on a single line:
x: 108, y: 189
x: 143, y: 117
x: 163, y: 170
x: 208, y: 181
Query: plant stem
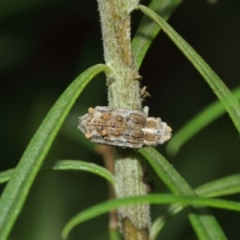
x: 129, y: 178
x: 123, y: 81
x: 124, y: 92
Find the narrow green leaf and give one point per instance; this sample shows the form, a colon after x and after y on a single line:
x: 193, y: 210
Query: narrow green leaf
x: 219, y: 88
x: 66, y: 165
x: 6, y: 175
x: 220, y: 187
x: 160, y: 222
x: 152, y: 199
x: 204, y: 224
x: 167, y: 173
x: 197, y: 123
x: 148, y: 30
x: 77, y: 165
x: 19, y: 185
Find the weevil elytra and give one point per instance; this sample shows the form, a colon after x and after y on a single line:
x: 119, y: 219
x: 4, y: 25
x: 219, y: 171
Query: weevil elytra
x: 123, y: 128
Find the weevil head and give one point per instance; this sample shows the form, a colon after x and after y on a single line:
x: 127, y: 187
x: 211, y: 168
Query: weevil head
x: 164, y: 133
x: 156, y: 132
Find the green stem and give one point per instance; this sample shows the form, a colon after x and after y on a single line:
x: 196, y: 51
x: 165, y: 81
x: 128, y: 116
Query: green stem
x: 123, y: 84
x: 124, y: 92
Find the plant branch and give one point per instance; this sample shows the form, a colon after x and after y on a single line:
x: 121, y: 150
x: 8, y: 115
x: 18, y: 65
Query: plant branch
x: 124, y: 92
x: 123, y: 84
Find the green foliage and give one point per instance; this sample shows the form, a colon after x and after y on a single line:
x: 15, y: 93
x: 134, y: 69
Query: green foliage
x: 64, y: 165
x: 17, y: 188
x: 220, y: 187
x: 219, y: 88
x: 196, y: 124
x: 151, y: 198
x: 204, y: 224
x: 148, y: 30
x: 183, y: 196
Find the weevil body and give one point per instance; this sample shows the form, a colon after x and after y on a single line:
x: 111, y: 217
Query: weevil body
x: 123, y: 128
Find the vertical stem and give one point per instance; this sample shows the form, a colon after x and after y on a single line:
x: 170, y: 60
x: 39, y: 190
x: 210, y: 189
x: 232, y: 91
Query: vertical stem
x: 129, y: 177
x: 124, y: 92
x: 123, y: 89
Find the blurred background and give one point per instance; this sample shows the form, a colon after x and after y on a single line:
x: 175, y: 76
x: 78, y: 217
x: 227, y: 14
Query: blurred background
x: 45, y: 44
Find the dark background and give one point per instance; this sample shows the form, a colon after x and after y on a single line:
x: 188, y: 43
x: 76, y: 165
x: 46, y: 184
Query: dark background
x: 45, y: 44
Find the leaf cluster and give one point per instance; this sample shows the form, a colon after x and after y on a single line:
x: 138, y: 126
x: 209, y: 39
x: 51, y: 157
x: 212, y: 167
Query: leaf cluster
x: 183, y: 196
